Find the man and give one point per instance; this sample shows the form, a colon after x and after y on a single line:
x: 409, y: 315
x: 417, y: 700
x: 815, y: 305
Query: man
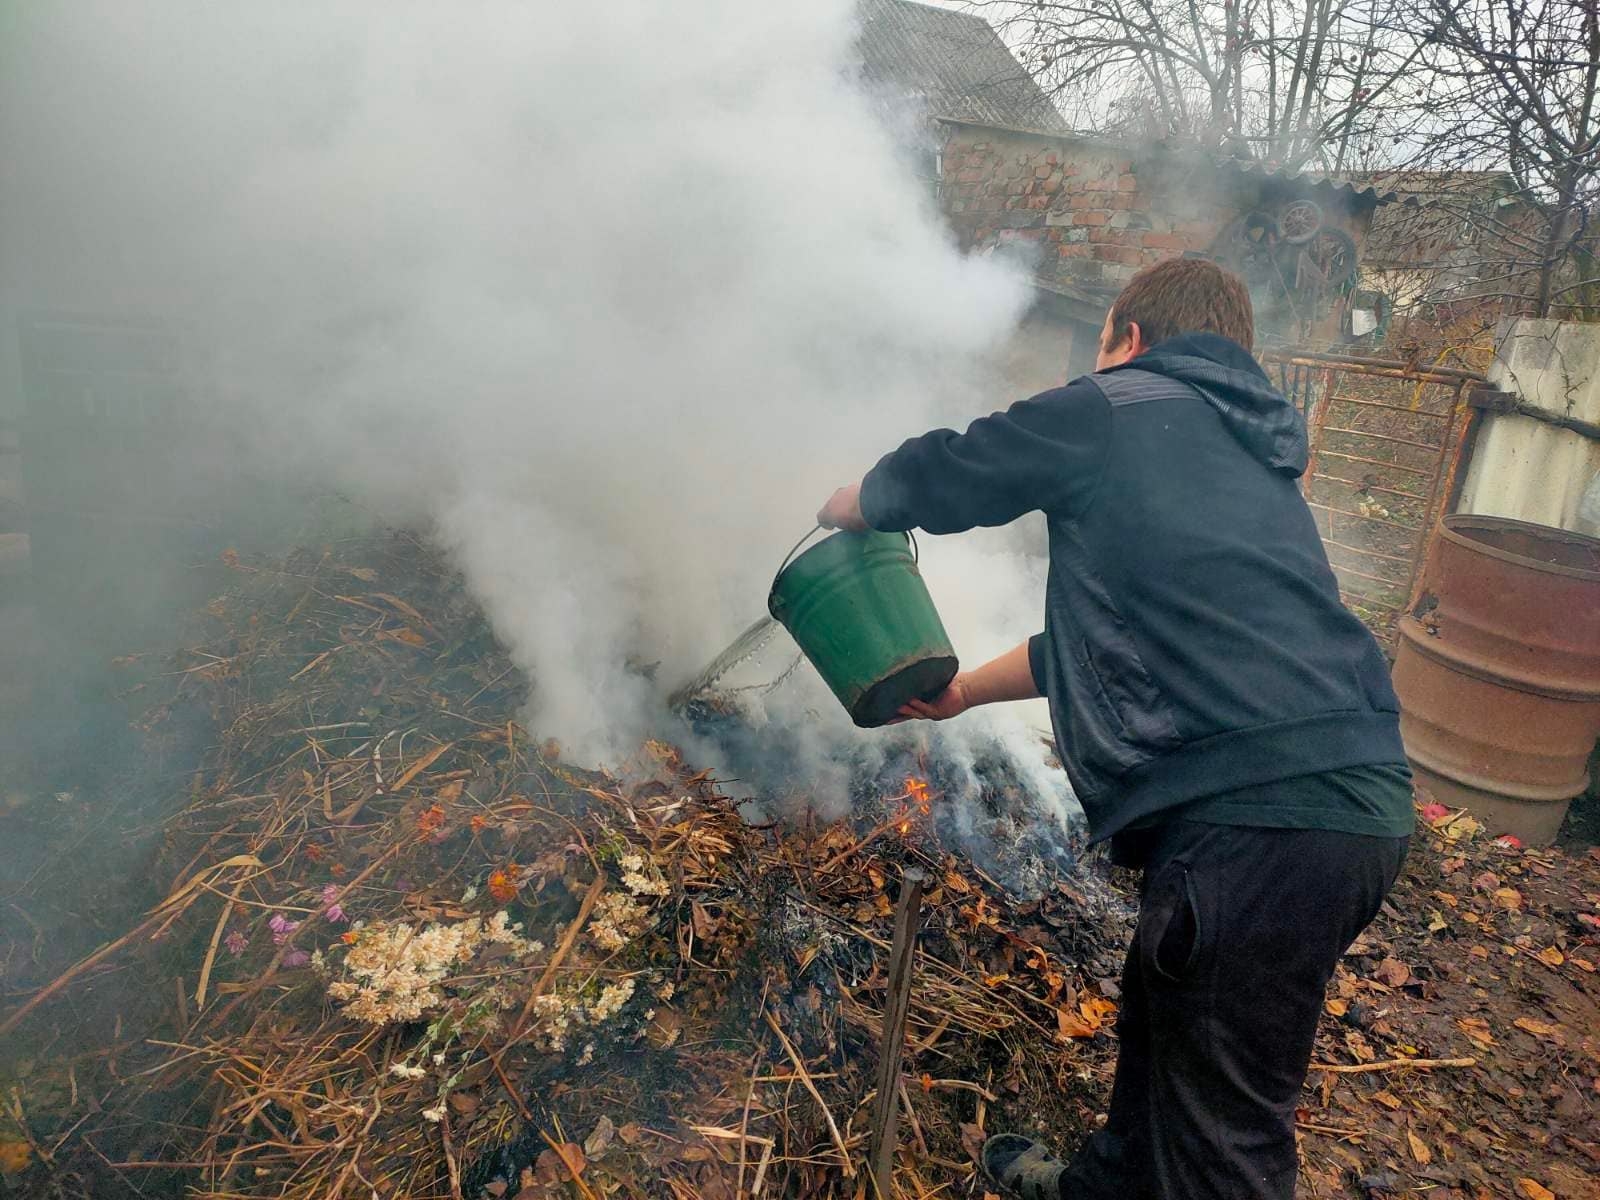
x: 1223, y: 719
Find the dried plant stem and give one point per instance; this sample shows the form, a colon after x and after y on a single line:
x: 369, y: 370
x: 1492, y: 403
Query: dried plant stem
x: 202, y: 987
x: 590, y: 898
x: 1395, y: 1064
x: 805, y: 1079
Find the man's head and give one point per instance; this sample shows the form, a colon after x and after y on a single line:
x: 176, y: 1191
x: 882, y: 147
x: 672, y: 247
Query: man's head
x: 1179, y: 295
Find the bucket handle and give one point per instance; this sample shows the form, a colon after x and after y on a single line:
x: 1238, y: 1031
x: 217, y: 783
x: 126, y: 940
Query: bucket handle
x: 916, y: 553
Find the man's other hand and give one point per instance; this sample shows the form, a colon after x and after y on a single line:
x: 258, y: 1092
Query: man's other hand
x: 951, y: 702
x: 843, y: 511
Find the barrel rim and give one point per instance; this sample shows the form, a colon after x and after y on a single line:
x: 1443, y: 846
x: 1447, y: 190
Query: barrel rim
x: 1452, y: 530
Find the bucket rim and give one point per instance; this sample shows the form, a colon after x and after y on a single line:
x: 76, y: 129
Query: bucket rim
x: 794, y: 557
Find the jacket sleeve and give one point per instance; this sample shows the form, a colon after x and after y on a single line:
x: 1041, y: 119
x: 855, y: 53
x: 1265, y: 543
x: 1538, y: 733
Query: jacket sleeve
x: 1043, y: 453
x: 1038, y: 656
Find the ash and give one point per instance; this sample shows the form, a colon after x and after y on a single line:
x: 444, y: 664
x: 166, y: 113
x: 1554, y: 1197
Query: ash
x: 994, y: 799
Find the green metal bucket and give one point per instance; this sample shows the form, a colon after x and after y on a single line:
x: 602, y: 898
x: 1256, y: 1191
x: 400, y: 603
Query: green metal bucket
x: 859, y: 610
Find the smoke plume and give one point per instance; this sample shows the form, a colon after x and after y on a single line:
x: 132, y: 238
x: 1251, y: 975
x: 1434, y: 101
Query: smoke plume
x: 608, y: 298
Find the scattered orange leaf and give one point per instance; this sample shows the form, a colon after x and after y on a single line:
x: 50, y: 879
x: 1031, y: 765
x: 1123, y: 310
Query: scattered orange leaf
x: 1508, y: 898
x: 1477, y: 1029
x: 15, y: 1154
x: 1537, y: 1027
x: 1534, y: 1190
x: 1419, y: 1149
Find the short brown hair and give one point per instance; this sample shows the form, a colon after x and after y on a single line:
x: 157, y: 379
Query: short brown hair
x: 1183, y: 295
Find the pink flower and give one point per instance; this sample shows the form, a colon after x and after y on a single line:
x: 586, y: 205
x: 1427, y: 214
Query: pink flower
x: 236, y: 943
x: 334, y: 911
x: 281, y: 928
x: 296, y: 958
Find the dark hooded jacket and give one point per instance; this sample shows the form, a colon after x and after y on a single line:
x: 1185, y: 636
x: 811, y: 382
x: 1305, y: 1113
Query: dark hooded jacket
x: 1194, y: 638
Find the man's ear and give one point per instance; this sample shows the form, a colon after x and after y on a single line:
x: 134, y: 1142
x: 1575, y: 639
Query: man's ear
x: 1136, y: 343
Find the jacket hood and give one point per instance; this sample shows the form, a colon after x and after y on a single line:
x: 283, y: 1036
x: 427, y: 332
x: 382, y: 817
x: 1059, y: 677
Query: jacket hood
x: 1233, y: 383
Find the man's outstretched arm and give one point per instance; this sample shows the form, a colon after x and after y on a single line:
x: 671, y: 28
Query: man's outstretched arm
x: 1044, y: 453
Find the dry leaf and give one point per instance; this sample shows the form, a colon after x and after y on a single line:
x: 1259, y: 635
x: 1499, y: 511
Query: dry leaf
x: 1551, y: 957
x: 1097, y: 1009
x: 595, y: 1144
x: 15, y: 1154
x: 1393, y: 972
x: 1388, y: 1099
x: 972, y: 1139
x: 1419, y: 1149
x: 1337, y: 1008
x: 1069, y: 1025
x: 365, y: 574
x: 1477, y: 1029
x: 1360, y: 1049
x: 1508, y: 898
x: 1535, y: 1191
x: 704, y: 923
x: 1537, y: 1027
x: 1583, y: 964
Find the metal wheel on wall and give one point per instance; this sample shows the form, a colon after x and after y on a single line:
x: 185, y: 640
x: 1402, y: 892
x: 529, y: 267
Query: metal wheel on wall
x: 1300, y: 221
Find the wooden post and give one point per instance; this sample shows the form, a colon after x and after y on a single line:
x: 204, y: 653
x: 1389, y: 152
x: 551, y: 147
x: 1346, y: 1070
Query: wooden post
x: 897, y: 1004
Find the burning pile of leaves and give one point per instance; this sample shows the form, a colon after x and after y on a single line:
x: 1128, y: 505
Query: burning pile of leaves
x: 415, y: 954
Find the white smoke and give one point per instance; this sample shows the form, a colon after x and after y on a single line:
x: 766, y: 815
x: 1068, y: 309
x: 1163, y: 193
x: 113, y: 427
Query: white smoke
x: 608, y: 296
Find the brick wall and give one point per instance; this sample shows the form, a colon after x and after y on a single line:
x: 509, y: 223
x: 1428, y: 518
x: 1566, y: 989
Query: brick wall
x: 1090, y: 213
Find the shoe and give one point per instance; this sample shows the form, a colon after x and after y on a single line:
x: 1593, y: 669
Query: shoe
x: 1023, y: 1167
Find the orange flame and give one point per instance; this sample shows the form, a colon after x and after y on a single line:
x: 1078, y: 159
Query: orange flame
x: 917, y: 789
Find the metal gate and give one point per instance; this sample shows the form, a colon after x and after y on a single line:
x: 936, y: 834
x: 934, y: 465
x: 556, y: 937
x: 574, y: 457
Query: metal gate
x: 1386, y: 438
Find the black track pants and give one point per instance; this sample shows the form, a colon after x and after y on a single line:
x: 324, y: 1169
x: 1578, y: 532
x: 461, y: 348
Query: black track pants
x: 1239, y: 932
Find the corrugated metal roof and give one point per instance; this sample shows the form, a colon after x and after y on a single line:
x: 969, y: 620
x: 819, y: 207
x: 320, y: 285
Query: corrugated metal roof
x: 952, y: 64
x: 1311, y: 179
x: 1422, y: 186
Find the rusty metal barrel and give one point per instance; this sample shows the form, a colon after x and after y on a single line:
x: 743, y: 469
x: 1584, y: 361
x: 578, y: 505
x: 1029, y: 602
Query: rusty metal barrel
x: 1498, y: 671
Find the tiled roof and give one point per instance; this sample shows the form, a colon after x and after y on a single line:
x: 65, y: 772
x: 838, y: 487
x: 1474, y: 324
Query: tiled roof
x: 951, y: 64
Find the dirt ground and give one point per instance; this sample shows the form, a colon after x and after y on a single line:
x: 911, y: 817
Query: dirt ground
x: 1485, y: 952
